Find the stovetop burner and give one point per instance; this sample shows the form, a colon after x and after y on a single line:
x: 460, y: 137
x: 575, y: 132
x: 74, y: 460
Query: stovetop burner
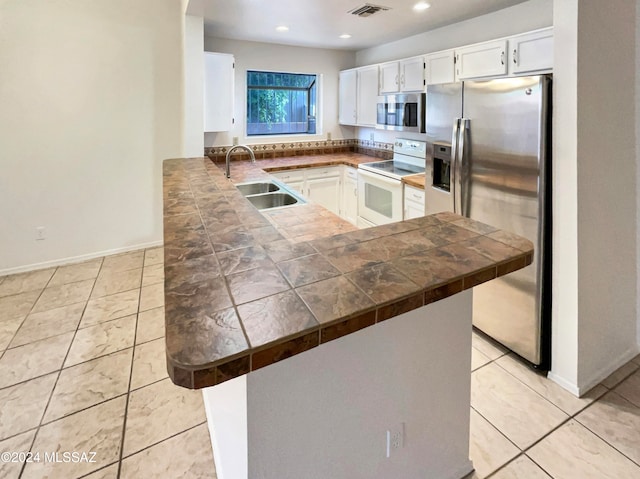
x: 408, y: 159
x: 393, y: 168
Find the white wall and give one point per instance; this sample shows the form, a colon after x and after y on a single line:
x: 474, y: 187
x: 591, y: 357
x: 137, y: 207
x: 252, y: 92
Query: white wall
x: 323, y: 414
x: 91, y: 95
x: 637, y: 91
x: 606, y: 203
x: 595, y: 254
x: 271, y: 57
x: 517, y: 19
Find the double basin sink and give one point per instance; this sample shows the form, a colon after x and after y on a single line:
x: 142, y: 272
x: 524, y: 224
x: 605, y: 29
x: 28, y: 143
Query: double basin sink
x: 265, y: 195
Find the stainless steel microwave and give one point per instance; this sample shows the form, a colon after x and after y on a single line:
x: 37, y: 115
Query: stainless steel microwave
x: 402, y: 112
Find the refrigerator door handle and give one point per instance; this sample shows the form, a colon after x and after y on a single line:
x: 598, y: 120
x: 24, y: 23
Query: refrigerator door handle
x: 462, y: 169
x: 454, y: 162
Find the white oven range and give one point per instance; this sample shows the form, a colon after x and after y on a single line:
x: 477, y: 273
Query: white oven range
x: 380, y: 187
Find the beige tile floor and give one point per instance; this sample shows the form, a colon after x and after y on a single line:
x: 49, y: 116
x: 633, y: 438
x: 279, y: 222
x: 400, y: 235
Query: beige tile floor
x: 82, y: 369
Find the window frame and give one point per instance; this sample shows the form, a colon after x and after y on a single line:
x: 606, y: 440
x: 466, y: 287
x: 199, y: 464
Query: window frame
x: 318, y: 94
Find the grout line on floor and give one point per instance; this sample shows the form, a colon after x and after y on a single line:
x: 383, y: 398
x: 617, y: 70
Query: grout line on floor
x: 163, y: 440
x: 536, y: 392
x: 44, y: 412
x: 97, y: 470
x: 603, y: 439
x: 126, y: 406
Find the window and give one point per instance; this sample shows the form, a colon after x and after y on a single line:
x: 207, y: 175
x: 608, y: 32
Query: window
x: 280, y: 103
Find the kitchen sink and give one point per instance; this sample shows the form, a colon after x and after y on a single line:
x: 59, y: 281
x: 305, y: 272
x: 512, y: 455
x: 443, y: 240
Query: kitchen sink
x: 273, y: 200
x: 265, y: 195
x: 257, y: 188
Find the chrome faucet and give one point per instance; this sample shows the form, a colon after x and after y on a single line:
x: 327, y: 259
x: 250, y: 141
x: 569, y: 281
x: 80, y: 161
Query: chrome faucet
x: 228, y: 157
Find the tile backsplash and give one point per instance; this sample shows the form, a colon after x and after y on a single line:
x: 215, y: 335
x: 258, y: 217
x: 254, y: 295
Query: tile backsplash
x: 300, y: 148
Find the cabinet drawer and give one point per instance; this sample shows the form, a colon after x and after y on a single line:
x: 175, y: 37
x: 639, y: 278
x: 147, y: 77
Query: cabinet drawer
x: 289, y: 175
x: 413, y: 194
x: 323, y: 172
x: 351, y: 173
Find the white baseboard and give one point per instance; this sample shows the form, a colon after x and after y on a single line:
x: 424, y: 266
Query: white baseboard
x: 562, y: 382
x: 602, y: 374
x: 77, y: 259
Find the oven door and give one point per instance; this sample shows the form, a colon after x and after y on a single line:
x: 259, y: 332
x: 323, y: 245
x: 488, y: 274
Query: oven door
x: 379, y: 198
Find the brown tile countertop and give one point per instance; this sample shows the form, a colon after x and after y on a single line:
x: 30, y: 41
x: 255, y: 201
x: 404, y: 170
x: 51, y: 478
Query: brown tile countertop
x: 244, y: 289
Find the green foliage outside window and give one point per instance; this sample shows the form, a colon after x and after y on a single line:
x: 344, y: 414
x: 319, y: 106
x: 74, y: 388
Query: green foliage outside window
x: 280, y: 103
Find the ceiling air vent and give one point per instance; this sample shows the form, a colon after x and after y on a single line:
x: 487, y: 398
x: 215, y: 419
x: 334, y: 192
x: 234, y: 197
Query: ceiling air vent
x: 367, y: 10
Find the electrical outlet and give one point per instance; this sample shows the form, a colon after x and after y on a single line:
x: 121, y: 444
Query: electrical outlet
x: 41, y: 233
x: 235, y: 141
x: 395, y: 439
x: 328, y: 136
x: 371, y: 136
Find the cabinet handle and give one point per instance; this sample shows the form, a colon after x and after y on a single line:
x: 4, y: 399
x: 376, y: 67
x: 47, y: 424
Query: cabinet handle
x: 402, y: 80
x: 355, y: 192
x: 396, y: 79
x: 515, y: 56
x: 502, y: 58
x: 417, y: 196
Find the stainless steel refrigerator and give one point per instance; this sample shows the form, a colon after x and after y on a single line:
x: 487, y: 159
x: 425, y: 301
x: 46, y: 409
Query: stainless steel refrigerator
x: 488, y: 159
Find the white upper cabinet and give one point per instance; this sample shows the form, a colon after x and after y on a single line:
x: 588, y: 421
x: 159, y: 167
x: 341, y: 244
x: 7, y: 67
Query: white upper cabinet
x: 367, y: 91
x: 439, y: 67
x: 488, y: 59
x: 358, y: 92
x: 347, y: 95
x: 531, y: 52
x: 412, y: 74
x: 402, y: 76
x: 218, y: 91
x: 389, y: 77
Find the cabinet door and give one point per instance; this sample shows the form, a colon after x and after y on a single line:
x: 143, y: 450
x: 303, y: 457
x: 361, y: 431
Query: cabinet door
x: 218, y: 91
x: 292, y: 178
x: 325, y: 192
x: 347, y: 89
x: 412, y: 74
x: 487, y: 59
x: 389, y: 77
x: 367, y: 96
x: 349, y: 210
x: 531, y: 52
x: 413, y: 202
x: 440, y: 67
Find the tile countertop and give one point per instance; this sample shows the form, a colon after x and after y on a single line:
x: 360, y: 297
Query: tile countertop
x: 244, y: 289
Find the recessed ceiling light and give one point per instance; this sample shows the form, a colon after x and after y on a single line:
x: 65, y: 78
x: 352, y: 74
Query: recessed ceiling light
x: 345, y: 35
x: 421, y: 6
x: 282, y: 28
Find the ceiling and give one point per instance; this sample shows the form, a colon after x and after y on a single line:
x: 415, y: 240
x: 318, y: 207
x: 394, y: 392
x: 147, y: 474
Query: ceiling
x: 319, y: 23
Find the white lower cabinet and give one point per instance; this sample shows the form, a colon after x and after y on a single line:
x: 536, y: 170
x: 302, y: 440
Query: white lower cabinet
x: 333, y: 187
x: 320, y: 185
x: 292, y: 178
x: 413, y: 202
x: 350, y: 195
x: 323, y: 187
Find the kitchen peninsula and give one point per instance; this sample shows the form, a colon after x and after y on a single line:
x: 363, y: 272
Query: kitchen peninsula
x: 312, y: 339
